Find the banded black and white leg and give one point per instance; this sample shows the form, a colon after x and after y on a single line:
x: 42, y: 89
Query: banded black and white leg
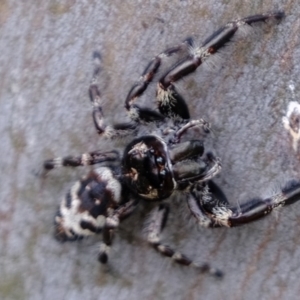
x: 112, y: 222
x: 138, y: 113
x: 109, y: 131
x: 157, y: 222
x: 169, y: 100
x: 211, y: 210
x: 85, y: 159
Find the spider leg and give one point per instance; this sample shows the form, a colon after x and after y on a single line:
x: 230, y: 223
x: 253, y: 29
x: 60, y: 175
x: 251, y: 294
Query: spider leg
x: 193, y: 123
x: 199, y: 213
x: 135, y: 112
x: 112, y: 222
x: 105, y: 245
x: 200, y: 171
x: 157, y: 223
x: 169, y: 100
x: 122, y: 212
x: 216, y: 212
x: 187, y: 168
x: 85, y: 159
x: 116, y: 130
x: 186, y: 150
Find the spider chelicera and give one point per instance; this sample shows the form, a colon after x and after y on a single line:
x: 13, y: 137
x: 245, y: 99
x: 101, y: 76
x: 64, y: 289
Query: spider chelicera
x: 157, y: 161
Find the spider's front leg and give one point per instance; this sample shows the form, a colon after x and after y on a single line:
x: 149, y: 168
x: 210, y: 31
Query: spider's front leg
x: 190, y: 165
x: 208, y: 192
x: 210, y: 211
x: 138, y: 113
x: 156, y: 225
x: 191, y: 124
x: 169, y: 100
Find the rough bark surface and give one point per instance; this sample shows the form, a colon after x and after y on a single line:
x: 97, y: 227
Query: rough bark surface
x: 46, y: 67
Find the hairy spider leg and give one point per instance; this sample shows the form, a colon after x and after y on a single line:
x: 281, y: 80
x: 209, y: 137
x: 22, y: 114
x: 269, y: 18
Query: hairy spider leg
x: 136, y: 112
x: 108, y: 131
x: 105, y: 246
x: 188, y: 166
x: 200, y: 171
x: 186, y: 150
x: 170, y: 102
x: 214, y: 212
x: 85, y: 159
x: 200, y: 214
x: 193, y: 123
x: 157, y: 223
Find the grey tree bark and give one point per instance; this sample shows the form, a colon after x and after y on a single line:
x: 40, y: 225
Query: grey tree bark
x: 46, y: 67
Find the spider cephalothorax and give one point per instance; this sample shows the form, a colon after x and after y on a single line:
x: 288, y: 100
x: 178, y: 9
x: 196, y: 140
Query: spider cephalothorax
x: 147, y: 162
x: 157, y: 162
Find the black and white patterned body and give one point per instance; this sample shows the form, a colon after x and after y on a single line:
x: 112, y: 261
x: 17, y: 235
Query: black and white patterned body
x: 157, y: 160
x: 84, y: 210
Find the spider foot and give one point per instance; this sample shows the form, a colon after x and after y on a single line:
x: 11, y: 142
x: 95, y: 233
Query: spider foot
x: 156, y: 225
x: 186, y: 261
x: 103, y: 253
x: 206, y: 268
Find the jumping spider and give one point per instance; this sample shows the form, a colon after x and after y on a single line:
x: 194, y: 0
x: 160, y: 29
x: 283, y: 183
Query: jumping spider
x: 156, y: 162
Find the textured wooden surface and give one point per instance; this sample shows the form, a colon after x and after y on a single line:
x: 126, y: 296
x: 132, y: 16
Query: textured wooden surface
x: 46, y: 66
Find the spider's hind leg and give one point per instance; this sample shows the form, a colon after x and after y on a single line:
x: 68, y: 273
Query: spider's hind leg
x: 156, y: 225
x: 112, y: 222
